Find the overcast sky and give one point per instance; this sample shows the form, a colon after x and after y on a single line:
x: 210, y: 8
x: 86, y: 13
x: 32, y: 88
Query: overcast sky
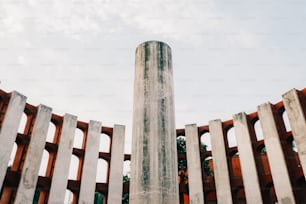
x: 77, y: 56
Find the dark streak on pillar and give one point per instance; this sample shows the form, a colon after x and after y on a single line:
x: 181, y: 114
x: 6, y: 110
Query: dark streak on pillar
x: 161, y: 64
x: 161, y: 119
x: 146, y: 122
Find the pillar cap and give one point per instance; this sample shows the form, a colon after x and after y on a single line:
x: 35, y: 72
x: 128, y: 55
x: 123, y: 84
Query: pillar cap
x: 152, y: 42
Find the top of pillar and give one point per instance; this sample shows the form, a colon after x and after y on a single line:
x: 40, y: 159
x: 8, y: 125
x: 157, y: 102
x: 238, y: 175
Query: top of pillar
x: 152, y: 42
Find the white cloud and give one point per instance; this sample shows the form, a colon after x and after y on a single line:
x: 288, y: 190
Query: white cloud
x: 22, y: 60
x: 176, y: 20
x: 180, y: 20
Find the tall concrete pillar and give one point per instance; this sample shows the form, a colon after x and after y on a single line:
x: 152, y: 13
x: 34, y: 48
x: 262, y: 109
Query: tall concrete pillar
x: 154, y: 153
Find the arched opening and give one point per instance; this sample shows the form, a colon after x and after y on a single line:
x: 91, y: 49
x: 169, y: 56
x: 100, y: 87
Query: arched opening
x: 293, y: 144
x: 181, y: 144
x: 182, y: 168
x: 209, y: 158
x: 23, y: 123
x: 208, y: 177
x: 125, y: 196
x: 290, y: 139
x: 181, y: 150
x: 74, y: 168
x: 205, y: 140
x: 51, y: 132
x: 13, y: 154
x: 102, y: 171
x: 78, y: 138
x: 234, y: 160
x: 44, y: 163
x: 207, y: 166
x: 68, y: 197
x: 286, y: 121
x: 104, y: 143
x: 231, y: 138
x: 126, y: 180
x: 258, y: 131
x: 127, y: 168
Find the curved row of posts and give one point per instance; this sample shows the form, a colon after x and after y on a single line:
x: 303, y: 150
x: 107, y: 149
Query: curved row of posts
x: 19, y: 182
x: 284, y: 183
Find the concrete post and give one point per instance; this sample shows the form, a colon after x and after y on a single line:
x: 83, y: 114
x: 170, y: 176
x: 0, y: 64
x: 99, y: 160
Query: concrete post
x: 116, y: 166
x: 89, y: 172
x: 29, y: 175
x: 61, y: 168
x: 277, y: 162
x: 194, y: 165
x: 297, y: 119
x: 247, y: 159
x: 9, y: 129
x: 221, y: 172
x: 154, y: 153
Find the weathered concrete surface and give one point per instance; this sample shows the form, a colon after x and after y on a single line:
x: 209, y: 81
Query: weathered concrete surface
x: 222, y: 179
x: 64, y: 153
x: 29, y: 175
x: 247, y: 160
x: 89, y: 172
x: 116, y: 166
x: 297, y: 120
x: 194, y: 165
x: 275, y: 155
x: 154, y: 153
x: 8, y: 130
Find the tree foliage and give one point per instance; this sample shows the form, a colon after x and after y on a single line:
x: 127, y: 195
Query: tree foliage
x: 98, y: 198
x: 125, y: 196
x: 182, y: 163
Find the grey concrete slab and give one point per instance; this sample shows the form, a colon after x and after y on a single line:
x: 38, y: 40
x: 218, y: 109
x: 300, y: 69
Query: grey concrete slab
x: 29, y: 175
x: 247, y: 159
x: 297, y: 120
x: 115, y: 187
x: 275, y: 155
x: 195, y: 181
x: 89, y: 172
x: 221, y: 172
x: 63, y: 158
x: 8, y: 130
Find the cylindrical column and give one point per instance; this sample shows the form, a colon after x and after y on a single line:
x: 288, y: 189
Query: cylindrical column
x: 154, y: 153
